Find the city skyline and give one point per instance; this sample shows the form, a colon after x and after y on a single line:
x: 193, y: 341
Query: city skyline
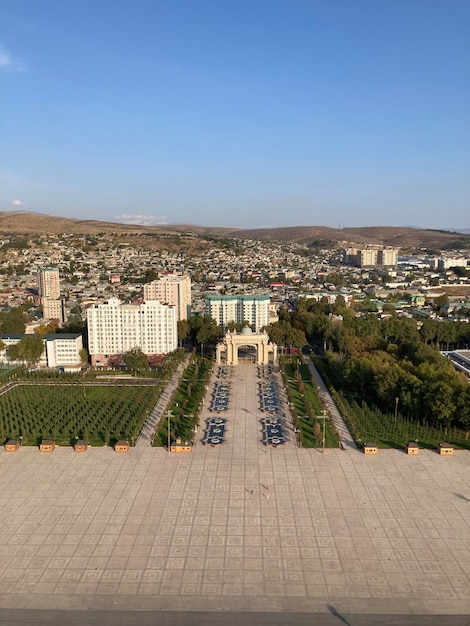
x: 248, y: 114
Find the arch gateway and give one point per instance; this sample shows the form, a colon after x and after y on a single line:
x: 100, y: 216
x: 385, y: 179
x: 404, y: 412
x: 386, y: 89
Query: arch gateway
x: 227, y: 351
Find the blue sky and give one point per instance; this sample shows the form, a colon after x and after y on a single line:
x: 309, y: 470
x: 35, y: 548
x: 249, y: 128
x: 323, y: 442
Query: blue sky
x: 244, y: 113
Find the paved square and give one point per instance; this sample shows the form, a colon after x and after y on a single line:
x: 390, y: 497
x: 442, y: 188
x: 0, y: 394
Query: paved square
x: 238, y: 526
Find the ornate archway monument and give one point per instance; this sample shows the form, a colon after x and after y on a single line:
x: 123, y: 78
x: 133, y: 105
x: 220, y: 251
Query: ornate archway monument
x: 227, y: 349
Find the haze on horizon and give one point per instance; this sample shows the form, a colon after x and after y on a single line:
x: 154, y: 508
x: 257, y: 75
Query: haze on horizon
x: 254, y: 113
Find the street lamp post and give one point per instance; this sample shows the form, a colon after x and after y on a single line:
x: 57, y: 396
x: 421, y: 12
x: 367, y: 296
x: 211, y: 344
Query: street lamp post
x: 323, y: 437
x: 396, y: 407
x: 169, y: 445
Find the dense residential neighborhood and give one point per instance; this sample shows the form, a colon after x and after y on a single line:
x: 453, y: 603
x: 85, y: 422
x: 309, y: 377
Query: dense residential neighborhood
x: 91, y: 270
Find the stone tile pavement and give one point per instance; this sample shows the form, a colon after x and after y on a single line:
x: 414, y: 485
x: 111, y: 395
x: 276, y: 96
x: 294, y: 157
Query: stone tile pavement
x: 152, y: 530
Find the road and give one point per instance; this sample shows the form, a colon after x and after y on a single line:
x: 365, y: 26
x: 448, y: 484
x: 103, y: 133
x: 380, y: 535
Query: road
x: 28, y: 617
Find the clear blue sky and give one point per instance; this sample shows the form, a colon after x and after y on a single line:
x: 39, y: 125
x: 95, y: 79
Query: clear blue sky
x: 246, y: 113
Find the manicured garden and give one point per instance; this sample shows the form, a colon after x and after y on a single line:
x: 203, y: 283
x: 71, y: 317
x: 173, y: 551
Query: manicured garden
x: 305, y: 405
x: 98, y: 414
x: 186, y: 404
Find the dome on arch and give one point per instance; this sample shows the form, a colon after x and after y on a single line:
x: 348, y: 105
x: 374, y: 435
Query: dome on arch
x: 246, y: 330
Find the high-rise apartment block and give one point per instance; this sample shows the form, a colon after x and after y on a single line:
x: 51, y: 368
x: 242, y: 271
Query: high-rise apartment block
x: 49, y: 293
x: 371, y: 257
x: 387, y: 257
x: 115, y: 328
x: 367, y: 258
x: 48, y: 284
x: 445, y: 264
x: 239, y: 309
x: 172, y: 289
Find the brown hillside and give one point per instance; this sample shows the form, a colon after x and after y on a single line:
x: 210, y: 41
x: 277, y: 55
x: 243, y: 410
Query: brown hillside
x: 400, y: 237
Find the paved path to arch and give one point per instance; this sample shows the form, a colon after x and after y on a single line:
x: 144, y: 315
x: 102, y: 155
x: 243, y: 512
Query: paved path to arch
x: 346, y: 437
x: 147, y: 434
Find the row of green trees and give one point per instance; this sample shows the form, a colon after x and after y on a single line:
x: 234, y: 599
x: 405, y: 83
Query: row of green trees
x: 304, y: 401
x: 369, y: 423
x: 186, y: 404
x: 202, y: 330
x: 389, y: 363
x: 63, y: 413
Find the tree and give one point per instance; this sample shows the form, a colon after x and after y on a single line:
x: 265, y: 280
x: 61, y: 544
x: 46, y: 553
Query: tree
x: 183, y: 330
x: 441, y: 301
x: 83, y: 354
x: 12, y: 322
x: 135, y: 360
x: 29, y: 349
x: 204, y: 329
x: 208, y: 332
x: 390, y: 309
x: 149, y: 275
x: 12, y: 352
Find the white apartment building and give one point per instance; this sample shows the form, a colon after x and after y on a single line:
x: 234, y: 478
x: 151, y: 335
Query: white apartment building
x: 60, y: 350
x: 251, y: 309
x: 48, y: 284
x: 115, y: 328
x: 445, y: 264
x: 172, y: 289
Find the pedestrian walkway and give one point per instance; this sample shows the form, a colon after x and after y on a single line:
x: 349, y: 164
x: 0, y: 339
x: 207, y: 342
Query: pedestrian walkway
x: 236, y: 527
x: 147, y: 434
x: 345, y: 436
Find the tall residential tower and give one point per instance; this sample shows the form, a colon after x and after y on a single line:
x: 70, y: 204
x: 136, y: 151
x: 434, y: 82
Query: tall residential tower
x: 49, y: 293
x: 172, y: 289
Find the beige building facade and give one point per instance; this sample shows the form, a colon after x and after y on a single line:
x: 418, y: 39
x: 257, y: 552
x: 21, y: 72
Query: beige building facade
x: 172, y: 289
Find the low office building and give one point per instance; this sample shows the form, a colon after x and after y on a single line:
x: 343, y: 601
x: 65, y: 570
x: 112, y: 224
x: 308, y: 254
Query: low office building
x: 61, y: 351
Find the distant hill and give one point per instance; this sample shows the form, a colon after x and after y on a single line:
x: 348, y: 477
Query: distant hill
x: 23, y: 223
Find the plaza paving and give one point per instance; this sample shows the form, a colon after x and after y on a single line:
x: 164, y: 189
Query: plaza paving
x: 150, y: 530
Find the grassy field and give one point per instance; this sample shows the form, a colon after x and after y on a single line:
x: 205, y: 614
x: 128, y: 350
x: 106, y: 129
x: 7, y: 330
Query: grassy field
x: 98, y: 414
